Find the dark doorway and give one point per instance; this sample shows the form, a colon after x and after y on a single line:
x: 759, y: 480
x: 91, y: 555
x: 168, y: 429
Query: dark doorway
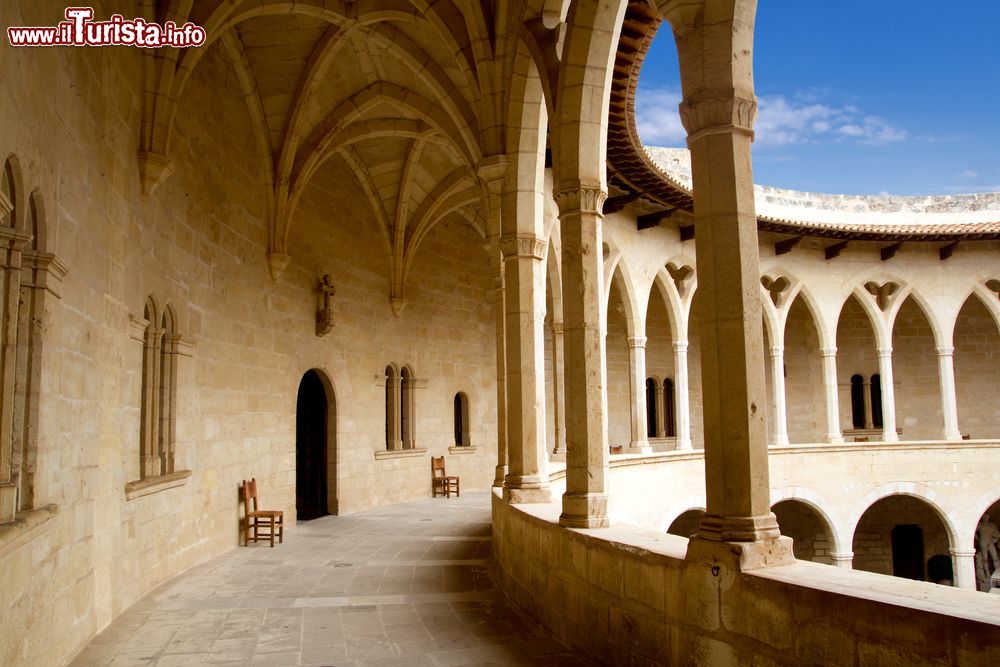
x: 311, y: 426
x: 908, y: 552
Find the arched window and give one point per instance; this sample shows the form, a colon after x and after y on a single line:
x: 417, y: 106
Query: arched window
x: 168, y: 390
x: 651, y: 412
x: 391, y: 399
x: 406, y: 407
x: 461, y: 420
x: 876, y: 390
x: 858, y: 401
x: 669, y: 417
x: 161, y: 346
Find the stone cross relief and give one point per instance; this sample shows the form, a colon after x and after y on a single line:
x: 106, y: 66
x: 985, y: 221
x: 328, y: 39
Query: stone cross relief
x: 987, y: 562
x: 324, y: 316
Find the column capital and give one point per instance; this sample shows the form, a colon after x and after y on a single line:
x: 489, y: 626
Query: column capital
x: 718, y: 114
x: 680, y: 345
x: 777, y: 350
x: 557, y: 327
x: 962, y: 553
x: 946, y: 351
x: 636, y: 341
x: 522, y: 246
x: 884, y: 351
x: 827, y: 351
x: 581, y: 199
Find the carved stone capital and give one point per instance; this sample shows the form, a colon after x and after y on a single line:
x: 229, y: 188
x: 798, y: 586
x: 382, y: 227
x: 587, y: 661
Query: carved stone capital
x: 581, y: 200
x: 714, y: 115
x: 636, y: 341
x: 522, y: 246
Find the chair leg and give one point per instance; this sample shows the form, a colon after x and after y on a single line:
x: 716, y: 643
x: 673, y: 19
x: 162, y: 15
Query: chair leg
x: 272, y: 532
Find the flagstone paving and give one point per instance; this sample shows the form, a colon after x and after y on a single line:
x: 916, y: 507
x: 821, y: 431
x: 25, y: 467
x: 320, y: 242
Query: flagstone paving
x: 403, y: 585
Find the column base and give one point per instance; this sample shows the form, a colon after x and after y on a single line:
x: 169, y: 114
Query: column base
x: 640, y: 447
x: 890, y: 436
x: 835, y: 438
x: 526, y: 489
x: 715, y: 528
x: 499, y: 476
x: 740, y: 556
x: 584, y: 510
x: 953, y: 437
x: 684, y: 445
x: 845, y: 561
x: 8, y: 501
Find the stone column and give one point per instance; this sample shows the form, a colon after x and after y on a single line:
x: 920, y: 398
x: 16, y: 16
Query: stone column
x: 963, y: 565
x: 559, y: 389
x: 524, y: 298
x: 661, y: 415
x: 949, y: 403
x: 682, y: 403
x: 150, y: 427
x: 888, y: 395
x: 866, y: 395
x: 585, y: 503
x: 394, y: 387
x: 501, y: 337
x: 778, y: 387
x: 637, y: 375
x: 829, y: 355
x: 844, y: 560
x: 12, y: 244
x: 718, y: 112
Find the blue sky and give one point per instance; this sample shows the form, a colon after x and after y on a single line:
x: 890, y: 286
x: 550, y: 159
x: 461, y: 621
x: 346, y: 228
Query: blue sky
x: 881, y: 96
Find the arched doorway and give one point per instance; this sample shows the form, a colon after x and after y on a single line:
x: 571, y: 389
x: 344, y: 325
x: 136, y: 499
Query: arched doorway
x: 315, y: 460
x: 812, y: 537
x: 903, y: 536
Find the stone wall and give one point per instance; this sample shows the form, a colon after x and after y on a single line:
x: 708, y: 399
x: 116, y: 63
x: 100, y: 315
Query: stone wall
x: 627, y: 596
x: 199, y: 243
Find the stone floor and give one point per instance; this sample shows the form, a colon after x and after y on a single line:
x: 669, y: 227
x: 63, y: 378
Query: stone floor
x: 404, y: 585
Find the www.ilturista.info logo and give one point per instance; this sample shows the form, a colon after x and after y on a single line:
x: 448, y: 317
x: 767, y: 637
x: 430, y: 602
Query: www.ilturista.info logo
x: 79, y: 29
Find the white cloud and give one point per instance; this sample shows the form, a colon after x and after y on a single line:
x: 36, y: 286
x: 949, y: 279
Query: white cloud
x: 781, y: 121
x: 657, y: 118
x: 969, y: 173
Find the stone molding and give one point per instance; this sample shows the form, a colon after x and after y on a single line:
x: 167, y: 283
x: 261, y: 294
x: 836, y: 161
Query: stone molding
x: 523, y: 246
x: 150, y: 485
x: 43, y: 270
x: 137, y: 328
x: 636, y: 341
x: 462, y: 449
x: 24, y: 527
x: 583, y: 199
x: 720, y: 114
x: 413, y: 452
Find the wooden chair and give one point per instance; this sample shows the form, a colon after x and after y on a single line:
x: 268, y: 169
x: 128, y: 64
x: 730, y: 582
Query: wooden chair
x: 260, y: 524
x: 442, y: 483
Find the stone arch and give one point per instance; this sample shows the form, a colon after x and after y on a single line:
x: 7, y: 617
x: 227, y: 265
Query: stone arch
x: 37, y: 222
x: 813, y: 533
x: 676, y: 307
x: 619, y: 326
x: 12, y: 189
x: 804, y: 389
x: 316, y: 445
x: 620, y: 281
x: 915, y: 339
x: 857, y: 343
x: 888, y: 508
x: 686, y: 523
x: 976, y: 341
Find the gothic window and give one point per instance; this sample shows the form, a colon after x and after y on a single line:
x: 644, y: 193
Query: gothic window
x: 461, y: 420
x: 651, y: 412
x: 391, y: 414
x: 669, y: 418
x: 28, y: 276
x: 406, y: 408
x: 876, y: 389
x: 857, y: 401
x: 161, y: 346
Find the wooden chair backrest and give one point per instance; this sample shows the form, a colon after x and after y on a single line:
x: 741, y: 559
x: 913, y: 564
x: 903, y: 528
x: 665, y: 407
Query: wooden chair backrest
x: 437, y: 466
x: 250, y: 494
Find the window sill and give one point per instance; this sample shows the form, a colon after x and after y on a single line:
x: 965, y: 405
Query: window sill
x: 400, y: 453
x: 464, y: 449
x: 24, y: 528
x: 150, y: 485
